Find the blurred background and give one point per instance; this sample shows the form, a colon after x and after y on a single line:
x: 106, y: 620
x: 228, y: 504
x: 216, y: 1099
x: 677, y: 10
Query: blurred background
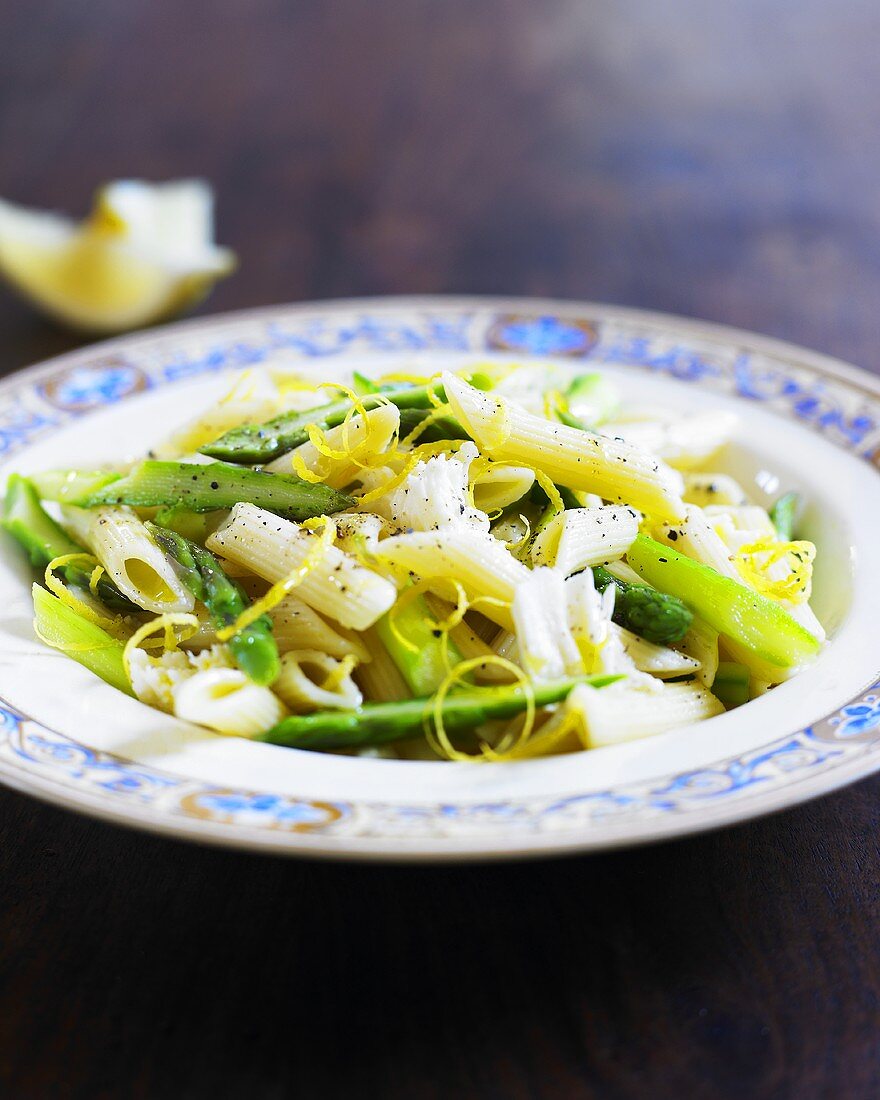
x: 714, y: 160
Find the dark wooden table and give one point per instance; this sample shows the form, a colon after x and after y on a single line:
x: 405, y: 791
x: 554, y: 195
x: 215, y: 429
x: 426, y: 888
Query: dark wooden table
x: 720, y: 161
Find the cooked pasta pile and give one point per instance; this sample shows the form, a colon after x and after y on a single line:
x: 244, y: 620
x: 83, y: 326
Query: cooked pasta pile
x: 488, y: 564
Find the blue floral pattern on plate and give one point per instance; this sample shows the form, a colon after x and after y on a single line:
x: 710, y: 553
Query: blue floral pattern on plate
x: 37, y: 402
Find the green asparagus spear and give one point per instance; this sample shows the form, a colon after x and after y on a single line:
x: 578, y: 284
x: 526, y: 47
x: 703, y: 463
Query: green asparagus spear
x: 70, y: 486
x: 43, y: 540
x: 253, y: 648
x: 203, y: 488
x: 538, y: 496
x: 758, y: 625
x: 592, y: 398
x: 443, y: 427
x: 656, y: 616
x: 61, y: 627
x: 731, y: 684
x: 379, y: 723
x: 195, y: 526
x: 782, y: 515
x: 363, y: 385
x: 421, y: 663
x: 572, y: 421
x: 253, y: 443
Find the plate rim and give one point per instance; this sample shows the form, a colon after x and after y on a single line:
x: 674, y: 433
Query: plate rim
x: 450, y: 848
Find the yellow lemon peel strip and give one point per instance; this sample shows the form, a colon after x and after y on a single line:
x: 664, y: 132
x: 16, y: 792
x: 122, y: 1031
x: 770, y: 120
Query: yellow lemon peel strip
x: 112, y: 624
x: 345, y: 668
x: 359, y: 454
x: 755, y: 559
x: 169, y: 623
x: 442, y: 627
x: 422, y: 451
x: 287, y: 584
x: 553, y: 494
x: 436, y: 414
x: 434, y: 728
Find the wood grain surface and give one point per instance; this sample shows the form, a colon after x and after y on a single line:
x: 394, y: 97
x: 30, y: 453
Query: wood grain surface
x: 720, y: 161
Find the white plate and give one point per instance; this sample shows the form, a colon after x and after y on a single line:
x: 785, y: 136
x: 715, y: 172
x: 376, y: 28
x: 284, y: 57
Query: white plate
x: 807, y: 422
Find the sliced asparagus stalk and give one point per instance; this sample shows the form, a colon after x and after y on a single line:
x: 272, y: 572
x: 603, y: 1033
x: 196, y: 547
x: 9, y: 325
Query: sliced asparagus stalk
x: 61, y: 627
x: 253, y: 648
x: 782, y: 515
x: 421, y: 662
x: 760, y: 626
x: 43, y: 540
x: 204, y: 488
x: 443, y: 427
x: 656, y: 616
x: 253, y: 443
x: 70, y: 486
x: 379, y: 723
x: 731, y: 684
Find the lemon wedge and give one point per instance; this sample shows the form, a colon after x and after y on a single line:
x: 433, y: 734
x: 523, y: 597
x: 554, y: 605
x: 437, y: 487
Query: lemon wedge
x: 145, y: 253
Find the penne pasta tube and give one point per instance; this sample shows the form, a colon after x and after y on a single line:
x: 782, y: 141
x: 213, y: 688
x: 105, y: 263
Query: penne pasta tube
x: 501, y: 485
x: 698, y: 539
x: 479, y: 562
x: 625, y: 573
x: 470, y: 644
x: 334, y: 582
x: 380, y: 680
x: 135, y: 564
x: 295, y: 625
x: 585, y: 536
x: 704, y: 489
x: 577, y: 459
x: 683, y: 440
x: 657, y: 660
x: 359, y: 533
x: 701, y: 644
x: 623, y: 712
x: 748, y: 518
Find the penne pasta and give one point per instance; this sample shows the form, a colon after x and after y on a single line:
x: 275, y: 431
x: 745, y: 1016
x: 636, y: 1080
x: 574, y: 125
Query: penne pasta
x: 380, y: 680
x: 487, y: 571
x: 698, y: 539
x: 613, y: 468
x: 359, y: 533
x: 295, y: 625
x: 624, y: 712
x: 334, y: 583
x: 700, y: 643
x: 684, y: 441
x: 123, y: 545
x: 704, y: 489
x: 579, y: 537
x: 500, y: 485
x: 658, y: 660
